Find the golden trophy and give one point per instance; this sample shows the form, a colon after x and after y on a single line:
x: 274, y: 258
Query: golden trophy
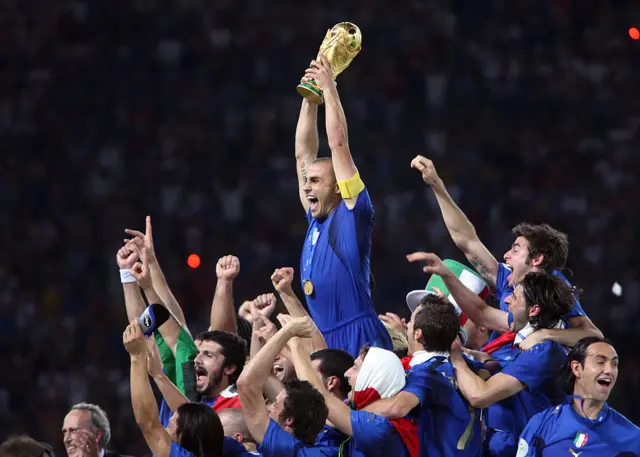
x: 340, y: 46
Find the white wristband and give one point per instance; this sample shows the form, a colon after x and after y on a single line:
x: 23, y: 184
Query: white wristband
x: 126, y: 277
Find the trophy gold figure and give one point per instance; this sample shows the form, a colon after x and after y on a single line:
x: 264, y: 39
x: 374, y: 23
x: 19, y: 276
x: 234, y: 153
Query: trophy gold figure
x: 340, y: 46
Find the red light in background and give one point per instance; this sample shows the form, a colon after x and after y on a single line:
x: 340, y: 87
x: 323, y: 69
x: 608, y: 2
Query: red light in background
x: 193, y: 260
x: 634, y: 33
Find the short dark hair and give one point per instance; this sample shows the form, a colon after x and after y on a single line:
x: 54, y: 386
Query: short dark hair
x: 578, y: 353
x: 544, y: 239
x: 438, y: 321
x: 335, y: 362
x: 25, y: 446
x: 200, y: 430
x: 234, y: 350
x: 305, y: 406
x: 552, y: 294
x: 245, y: 330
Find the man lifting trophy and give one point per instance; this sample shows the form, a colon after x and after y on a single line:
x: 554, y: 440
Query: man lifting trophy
x: 340, y: 46
x: 336, y: 255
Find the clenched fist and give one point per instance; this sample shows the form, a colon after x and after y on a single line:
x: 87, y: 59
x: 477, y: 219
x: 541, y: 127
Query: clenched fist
x: 427, y: 169
x: 282, y: 278
x: 228, y: 267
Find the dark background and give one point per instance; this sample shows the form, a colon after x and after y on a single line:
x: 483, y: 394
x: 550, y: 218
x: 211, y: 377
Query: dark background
x: 186, y: 110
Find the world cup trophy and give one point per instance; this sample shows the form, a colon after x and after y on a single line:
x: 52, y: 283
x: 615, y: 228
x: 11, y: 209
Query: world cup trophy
x: 340, y: 46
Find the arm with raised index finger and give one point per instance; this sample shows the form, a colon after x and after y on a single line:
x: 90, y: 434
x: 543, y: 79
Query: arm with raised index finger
x: 471, y: 304
x: 157, y: 276
x: 461, y: 230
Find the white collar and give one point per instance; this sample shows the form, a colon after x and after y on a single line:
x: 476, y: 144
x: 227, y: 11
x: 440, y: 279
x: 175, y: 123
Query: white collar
x: 528, y: 330
x: 101, y: 453
x: 423, y: 356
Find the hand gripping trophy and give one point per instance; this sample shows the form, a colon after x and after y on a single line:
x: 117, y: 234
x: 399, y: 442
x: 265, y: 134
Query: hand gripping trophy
x: 340, y: 46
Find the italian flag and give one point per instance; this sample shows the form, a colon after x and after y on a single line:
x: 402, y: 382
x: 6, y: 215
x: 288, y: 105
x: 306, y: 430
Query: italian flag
x: 580, y: 439
x: 467, y: 276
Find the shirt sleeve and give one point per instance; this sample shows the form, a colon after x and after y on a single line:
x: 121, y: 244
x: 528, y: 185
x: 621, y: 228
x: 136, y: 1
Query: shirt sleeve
x: 178, y: 451
x: 527, y: 445
x: 278, y: 443
x: 231, y: 448
x: 363, y: 205
x: 577, y: 310
x: 165, y: 413
x: 370, y: 431
x: 536, y: 365
x: 502, y: 283
x: 419, y: 382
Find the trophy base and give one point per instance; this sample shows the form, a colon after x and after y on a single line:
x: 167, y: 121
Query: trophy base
x: 311, y: 92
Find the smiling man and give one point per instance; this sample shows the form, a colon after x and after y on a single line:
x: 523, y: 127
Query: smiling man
x: 537, y: 247
x: 585, y: 425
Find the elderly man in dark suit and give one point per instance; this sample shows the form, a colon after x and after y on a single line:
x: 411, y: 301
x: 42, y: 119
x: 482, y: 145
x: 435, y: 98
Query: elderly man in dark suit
x: 86, y: 432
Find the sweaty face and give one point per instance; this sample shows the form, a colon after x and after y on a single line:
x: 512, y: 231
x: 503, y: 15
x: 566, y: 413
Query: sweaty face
x: 518, y: 307
x: 275, y: 409
x: 75, y: 421
x: 321, y: 189
x: 517, y: 259
x: 598, y: 375
x: 283, y: 366
x: 352, y: 375
x: 411, y: 334
x: 208, y: 366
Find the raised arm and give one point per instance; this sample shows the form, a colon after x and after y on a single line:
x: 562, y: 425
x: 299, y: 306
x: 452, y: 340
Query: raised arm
x: 339, y: 413
x: 157, y: 276
x: 223, y: 315
x: 251, y: 382
x: 460, y: 228
x: 168, y: 389
x: 337, y: 135
x: 306, y: 145
x: 481, y: 393
x: 473, y: 306
x: 143, y: 402
x: 133, y: 301
x: 170, y: 330
x: 282, y: 279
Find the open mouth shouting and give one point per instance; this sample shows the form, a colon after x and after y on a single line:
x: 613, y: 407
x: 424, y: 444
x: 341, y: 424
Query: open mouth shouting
x: 202, y: 376
x: 604, y: 382
x: 313, y: 202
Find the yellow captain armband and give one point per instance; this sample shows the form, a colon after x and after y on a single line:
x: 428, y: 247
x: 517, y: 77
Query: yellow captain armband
x: 350, y: 188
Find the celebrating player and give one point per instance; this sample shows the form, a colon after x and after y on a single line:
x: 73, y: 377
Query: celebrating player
x: 335, y: 263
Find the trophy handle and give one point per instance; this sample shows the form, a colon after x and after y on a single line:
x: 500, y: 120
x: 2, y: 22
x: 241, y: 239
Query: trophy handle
x: 311, y: 92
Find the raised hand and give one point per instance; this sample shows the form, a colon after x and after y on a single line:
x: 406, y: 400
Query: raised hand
x: 433, y: 265
x: 134, y: 340
x: 267, y: 329
x: 320, y: 71
x: 141, y: 272
x: 395, y: 322
x: 143, y: 239
x: 264, y: 305
x: 126, y: 257
x: 154, y: 360
x: 85, y: 443
x: 302, y: 327
x: 228, y: 267
x: 426, y: 168
x: 282, y: 278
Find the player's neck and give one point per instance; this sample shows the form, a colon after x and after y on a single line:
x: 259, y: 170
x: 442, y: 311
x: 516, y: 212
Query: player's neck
x: 217, y: 390
x: 587, y: 407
